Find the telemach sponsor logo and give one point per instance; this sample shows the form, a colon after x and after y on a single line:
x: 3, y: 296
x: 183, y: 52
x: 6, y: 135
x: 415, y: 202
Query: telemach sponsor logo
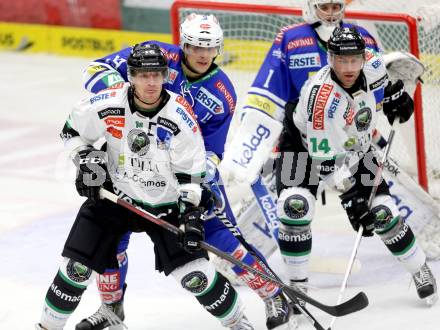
x: 64, y: 296
x: 294, y: 238
x: 398, y: 237
x: 220, y: 300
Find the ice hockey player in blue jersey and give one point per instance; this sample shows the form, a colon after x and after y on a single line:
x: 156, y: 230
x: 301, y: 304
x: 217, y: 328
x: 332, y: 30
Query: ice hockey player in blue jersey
x: 194, y: 75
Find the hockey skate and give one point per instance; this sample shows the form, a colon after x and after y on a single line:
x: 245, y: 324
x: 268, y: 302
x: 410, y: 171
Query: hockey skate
x: 38, y: 326
x: 426, y: 285
x: 108, y: 315
x: 298, y: 285
x: 278, y: 314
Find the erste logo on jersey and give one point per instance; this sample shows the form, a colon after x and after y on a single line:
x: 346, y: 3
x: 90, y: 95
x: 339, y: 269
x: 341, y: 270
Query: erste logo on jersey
x: 334, y: 105
x: 188, y: 116
x: 103, y: 96
x: 321, y: 101
x: 209, y: 101
x: 300, y: 61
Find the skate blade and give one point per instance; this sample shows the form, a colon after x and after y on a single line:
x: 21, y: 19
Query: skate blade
x: 431, y: 300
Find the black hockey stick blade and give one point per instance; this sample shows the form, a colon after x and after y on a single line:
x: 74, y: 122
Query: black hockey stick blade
x: 354, y: 304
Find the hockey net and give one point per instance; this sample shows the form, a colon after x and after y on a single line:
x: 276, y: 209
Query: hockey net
x: 250, y: 29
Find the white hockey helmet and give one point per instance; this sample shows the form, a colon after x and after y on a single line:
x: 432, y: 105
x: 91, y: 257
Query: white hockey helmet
x: 202, y: 31
x: 311, y: 8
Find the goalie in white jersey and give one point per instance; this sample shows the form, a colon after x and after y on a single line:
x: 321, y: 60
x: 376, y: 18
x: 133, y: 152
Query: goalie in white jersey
x: 155, y: 159
x: 327, y: 136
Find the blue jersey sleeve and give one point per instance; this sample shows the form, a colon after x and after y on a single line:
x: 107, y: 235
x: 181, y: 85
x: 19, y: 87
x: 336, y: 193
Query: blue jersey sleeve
x: 111, y: 69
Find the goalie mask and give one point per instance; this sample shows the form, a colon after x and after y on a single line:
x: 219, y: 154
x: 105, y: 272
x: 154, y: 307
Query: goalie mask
x: 202, y: 31
x: 328, y: 13
x: 146, y: 58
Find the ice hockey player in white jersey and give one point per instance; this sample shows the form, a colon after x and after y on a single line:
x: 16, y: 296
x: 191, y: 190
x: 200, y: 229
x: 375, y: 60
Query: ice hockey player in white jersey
x: 155, y: 159
x: 193, y: 74
x: 326, y: 133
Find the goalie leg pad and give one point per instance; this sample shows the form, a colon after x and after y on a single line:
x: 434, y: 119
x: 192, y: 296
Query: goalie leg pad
x: 65, y: 293
x: 396, y: 234
x: 211, y: 289
x: 295, y: 209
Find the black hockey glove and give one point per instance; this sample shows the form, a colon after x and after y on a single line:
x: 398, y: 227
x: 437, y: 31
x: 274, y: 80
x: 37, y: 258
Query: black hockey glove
x: 92, y: 172
x: 191, y: 223
x: 358, y: 213
x: 397, y: 103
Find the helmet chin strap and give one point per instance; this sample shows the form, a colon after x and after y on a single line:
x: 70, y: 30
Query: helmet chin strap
x: 325, y: 31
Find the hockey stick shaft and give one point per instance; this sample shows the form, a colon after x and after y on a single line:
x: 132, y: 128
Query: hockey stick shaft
x: 234, y: 230
x: 354, y: 304
x: 377, y: 180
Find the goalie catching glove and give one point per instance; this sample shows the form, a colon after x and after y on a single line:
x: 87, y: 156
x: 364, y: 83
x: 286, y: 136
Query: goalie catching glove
x: 358, y: 212
x: 92, y: 172
x: 397, y: 103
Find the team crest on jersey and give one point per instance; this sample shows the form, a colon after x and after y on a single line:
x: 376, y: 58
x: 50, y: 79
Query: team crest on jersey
x: 138, y: 142
x: 209, y: 101
x: 363, y: 119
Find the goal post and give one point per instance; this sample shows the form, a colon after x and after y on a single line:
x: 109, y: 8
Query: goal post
x: 249, y: 30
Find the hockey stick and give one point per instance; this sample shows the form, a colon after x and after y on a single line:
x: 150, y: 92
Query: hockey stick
x: 234, y: 230
x: 357, y: 242
x: 352, y: 305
